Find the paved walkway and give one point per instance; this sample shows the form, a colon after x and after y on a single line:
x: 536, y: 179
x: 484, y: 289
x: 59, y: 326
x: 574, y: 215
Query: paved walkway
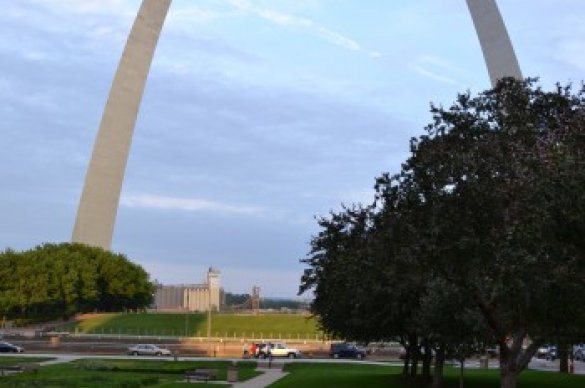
x: 268, y: 377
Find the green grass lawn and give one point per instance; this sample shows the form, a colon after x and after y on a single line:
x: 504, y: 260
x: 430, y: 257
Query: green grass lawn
x: 121, y: 373
x: 374, y: 376
x: 264, y: 326
x: 222, y: 325
x: 90, y: 373
x: 339, y: 375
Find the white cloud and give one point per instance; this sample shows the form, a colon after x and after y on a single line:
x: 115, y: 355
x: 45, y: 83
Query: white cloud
x: 437, y: 69
x: 188, y: 204
x: 421, y: 70
x: 86, y: 7
x: 439, y: 62
x: 183, y: 17
x: 35, y: 55
x: 301, y: 23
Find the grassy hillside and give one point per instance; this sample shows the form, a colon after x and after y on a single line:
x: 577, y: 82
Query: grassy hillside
x: 222, y: 325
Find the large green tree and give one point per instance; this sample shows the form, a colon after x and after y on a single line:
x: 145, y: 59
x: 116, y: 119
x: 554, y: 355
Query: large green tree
x: 63, y: 279
x: 489, y: 204
x: 504, y: 173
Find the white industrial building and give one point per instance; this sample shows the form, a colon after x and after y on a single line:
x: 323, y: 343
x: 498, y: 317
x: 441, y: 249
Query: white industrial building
x: 191, y: 297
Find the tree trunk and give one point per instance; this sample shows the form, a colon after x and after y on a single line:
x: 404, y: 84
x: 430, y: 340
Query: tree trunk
x: 413, y: 354
x: 514, y: 357
x: 406, y: 365
x: 563, y: 354
x: 508, y: 378
x: 461, y: 367
x: 414, y: 366
x: 438, y: 371
x: 508, y: 368
x: 426, y: 362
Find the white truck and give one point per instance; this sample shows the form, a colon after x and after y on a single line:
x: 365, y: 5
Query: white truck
x: 278, y: 350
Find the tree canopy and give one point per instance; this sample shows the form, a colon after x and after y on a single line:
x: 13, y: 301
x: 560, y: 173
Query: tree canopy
x: 64, y: 279
x: 479, y: 237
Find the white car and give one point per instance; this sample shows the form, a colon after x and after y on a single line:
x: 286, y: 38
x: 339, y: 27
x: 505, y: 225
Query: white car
x: 148, y: 350
x: 280, y: 350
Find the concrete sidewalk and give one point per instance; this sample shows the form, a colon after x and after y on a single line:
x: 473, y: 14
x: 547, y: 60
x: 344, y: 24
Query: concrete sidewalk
x: 268, y: 377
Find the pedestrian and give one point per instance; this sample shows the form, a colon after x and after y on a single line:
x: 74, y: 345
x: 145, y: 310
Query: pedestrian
x: 253, y: 350
x: 269, y: 354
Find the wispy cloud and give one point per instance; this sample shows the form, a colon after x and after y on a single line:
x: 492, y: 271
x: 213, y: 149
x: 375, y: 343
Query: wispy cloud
x: 437, y: 69
x: 437, y: 77
x: 188, y: 204
x: 89, y: 7
x: 301, y: 23
x: 183, y: 17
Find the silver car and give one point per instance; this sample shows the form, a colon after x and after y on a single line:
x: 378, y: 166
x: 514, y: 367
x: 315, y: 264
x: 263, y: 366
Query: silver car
x: 148, y: 350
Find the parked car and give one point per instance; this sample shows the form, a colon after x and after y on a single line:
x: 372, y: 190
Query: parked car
x: 548, y: 352
x: 492, y: 352
x: 148, y: 350
x: 259, y: 350
x: 552, y: 354
x: 345, y: 350
x: 277, y: 350
x: 7, y: 347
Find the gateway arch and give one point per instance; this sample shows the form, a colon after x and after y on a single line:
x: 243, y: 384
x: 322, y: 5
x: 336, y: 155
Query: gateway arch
x: 96, y: 215
x: 94, y: 224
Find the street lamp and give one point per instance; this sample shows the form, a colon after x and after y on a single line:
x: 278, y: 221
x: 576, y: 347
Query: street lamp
x: 209, y: 315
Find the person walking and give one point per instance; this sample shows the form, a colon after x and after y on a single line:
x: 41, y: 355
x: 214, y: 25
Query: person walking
x: 269, y: 354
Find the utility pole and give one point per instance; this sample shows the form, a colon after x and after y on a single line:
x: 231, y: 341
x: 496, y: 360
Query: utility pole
x: 187, y: 312
x: 209, y: 317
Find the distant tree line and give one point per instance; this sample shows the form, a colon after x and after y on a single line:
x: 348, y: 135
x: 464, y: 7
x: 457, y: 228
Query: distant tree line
x: 243, y: 301
x: 479, y: 240
x: 236, y: 300
x: 59, y: 280
x: 279, y: 304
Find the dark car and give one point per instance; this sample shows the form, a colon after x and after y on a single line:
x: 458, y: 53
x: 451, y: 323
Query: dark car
x: 548, y: 352
x: 260, y: 351
x: 6, y: 347
x: 345, y: 350
x: 492, y: 352
x: 552, y: 354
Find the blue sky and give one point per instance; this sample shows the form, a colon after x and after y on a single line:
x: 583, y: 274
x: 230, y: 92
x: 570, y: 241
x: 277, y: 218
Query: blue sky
x: 258, y: 115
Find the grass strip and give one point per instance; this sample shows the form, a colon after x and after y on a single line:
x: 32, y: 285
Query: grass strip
x: 120, y: 373
x: 308, y: 375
